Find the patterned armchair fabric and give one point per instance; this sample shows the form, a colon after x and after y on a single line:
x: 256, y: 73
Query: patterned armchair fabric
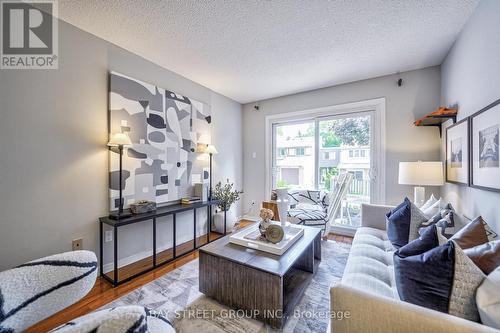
x: 308, y: 207
x: 123, y: 319
x: 317, y: 208
x: 307, y: 197
x: 36, y: 290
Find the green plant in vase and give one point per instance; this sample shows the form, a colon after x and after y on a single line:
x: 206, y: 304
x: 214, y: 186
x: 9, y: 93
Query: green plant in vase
x: 226, y: 194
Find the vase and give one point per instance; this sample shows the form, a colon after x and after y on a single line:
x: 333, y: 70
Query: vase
x: 282, y: 203
x: 218, y: 222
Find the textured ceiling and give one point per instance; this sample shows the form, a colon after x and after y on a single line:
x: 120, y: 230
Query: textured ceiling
x: 250, y: 50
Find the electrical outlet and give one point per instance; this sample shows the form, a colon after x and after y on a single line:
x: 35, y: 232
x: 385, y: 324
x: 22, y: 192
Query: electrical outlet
x: 77, y: 244
x: 108, y: 236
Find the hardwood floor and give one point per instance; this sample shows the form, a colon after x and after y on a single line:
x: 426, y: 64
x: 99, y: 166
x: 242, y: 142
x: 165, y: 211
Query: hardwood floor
x: 161, y: 257
x: 103, y: 293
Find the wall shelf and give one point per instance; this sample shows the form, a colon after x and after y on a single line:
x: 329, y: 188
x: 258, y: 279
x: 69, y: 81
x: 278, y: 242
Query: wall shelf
x: 437, y: 118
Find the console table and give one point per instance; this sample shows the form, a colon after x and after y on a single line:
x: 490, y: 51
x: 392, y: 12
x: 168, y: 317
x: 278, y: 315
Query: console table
x: 152, y: 216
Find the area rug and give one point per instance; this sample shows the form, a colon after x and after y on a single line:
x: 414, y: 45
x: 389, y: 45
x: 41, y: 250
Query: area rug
x: 176, y: 296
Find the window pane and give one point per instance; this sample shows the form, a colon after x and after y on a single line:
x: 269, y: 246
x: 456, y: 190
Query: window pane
x: 347, y: 143
x: 295, y: 169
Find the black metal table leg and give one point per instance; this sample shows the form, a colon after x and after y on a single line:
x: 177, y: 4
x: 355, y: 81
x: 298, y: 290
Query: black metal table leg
x: 194, y: 225
x: 154, y: 242
x: 174, y: 223
x: 115, y: 259
x: 225, y: 216
x: 208, y: 224
x: 101, y: 263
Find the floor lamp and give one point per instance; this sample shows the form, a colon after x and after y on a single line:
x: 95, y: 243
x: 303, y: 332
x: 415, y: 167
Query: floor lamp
x: 210, y: 150
x: 119, y: 140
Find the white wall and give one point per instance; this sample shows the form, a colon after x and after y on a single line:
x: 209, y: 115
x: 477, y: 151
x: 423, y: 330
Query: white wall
x: 471, y: 81
x: 420, y: 94
x: 53, y: 134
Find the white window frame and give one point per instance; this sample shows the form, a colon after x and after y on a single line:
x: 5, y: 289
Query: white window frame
x: 378, y: 160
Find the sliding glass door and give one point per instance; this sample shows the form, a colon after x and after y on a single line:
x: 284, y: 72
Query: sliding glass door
x: 309, y: 154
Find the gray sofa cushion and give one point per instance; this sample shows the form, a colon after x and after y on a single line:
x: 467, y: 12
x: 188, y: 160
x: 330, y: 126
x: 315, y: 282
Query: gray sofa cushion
x: 370, y: 264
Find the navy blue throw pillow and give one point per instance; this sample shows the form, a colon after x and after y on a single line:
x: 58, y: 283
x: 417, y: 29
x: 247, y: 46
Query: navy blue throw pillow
x: 398, y: 224
x: 428, y: 240
x: 426, y: 279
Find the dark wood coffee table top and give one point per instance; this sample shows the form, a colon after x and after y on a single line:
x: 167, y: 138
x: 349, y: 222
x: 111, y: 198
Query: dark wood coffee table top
x: 261, y: 260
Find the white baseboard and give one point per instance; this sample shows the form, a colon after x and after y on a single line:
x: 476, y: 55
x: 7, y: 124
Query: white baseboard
x: 135, y: 257
x: 250, y: 218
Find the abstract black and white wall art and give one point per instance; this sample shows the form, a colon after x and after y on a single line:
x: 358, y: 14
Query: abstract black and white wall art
x: 457, y: 153
x: 485, y: 166
x: 165, y: 128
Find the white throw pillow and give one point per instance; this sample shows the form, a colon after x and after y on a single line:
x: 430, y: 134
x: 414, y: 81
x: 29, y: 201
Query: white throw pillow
x: 432, y: 209
x: 432, y: 200
x: 488, y: 300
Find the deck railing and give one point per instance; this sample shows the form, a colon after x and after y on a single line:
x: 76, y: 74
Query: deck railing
x: 359, y: 187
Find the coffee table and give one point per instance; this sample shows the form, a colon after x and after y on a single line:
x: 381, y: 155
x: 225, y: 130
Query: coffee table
x: 265, y: 285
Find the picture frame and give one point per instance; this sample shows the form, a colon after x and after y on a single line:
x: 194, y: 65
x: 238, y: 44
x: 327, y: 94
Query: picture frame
x: 484, y: 148
x: 457, y: 153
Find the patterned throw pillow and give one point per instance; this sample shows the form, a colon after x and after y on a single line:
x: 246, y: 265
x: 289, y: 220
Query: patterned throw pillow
x: 403, y: 223
x: 445, y: 219
x: 489, y: 232
x: 443, y: 279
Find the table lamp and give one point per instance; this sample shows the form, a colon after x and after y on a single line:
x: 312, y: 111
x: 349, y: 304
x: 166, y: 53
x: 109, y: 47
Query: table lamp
x: 119, y: 140
x: 420, y: 174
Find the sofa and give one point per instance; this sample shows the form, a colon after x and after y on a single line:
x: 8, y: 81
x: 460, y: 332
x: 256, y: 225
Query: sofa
x: 366, y: 299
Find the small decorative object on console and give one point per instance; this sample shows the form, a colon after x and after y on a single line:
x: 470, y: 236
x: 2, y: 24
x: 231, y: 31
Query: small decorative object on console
x: 190, y: 200
x: 274, y: 233
x: 143, y: 206
x: 266, y: 215
x: 270, y: 232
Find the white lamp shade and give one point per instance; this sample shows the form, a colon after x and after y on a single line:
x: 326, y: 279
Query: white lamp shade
x: 421, y: 173
x: 204, y: 139
x: 211, y: 150
x: 119, y: 139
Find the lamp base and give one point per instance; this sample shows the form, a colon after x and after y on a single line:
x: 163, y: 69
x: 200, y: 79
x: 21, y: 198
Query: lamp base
x: 118, y: 216
x: 419, y: 196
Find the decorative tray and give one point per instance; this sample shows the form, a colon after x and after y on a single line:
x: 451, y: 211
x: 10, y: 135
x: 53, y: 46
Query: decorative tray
x: 250, y: 237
